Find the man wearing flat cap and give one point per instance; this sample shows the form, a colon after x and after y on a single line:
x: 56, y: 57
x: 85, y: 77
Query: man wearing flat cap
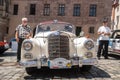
x: 104, y: 33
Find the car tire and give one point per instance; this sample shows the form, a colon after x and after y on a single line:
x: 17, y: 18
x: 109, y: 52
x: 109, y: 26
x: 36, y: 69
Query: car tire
x: 2, y: 51
x: 31, y: 70
x: 86, y: 68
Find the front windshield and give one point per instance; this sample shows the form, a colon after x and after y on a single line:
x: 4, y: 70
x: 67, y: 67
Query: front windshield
x: 55, y: 27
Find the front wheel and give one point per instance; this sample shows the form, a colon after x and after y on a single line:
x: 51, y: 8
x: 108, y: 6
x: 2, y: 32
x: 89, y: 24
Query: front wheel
x: 2, y: 51
x: 86, y: 67
x: 31, y: 70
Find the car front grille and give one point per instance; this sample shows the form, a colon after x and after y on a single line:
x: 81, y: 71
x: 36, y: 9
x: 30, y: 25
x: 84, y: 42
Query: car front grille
x: 58, y: 47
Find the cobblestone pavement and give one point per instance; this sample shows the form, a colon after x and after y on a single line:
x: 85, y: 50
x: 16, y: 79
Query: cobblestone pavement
x: 105, y: 70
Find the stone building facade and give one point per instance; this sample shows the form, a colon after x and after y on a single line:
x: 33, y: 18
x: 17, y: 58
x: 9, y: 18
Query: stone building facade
x: 115, y: 19
x: 3, y: 19
x: 86, y: 16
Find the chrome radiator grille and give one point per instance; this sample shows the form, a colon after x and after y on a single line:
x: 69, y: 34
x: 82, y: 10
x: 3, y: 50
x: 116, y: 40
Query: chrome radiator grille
x: 58, y: 47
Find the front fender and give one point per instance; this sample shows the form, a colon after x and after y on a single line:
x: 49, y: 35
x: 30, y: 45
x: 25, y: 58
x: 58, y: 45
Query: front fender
x: 35, y: 51
x: 80, y: 48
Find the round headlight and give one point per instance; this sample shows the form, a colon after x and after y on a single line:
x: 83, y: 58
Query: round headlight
x: 28, y: 56
x: 27, y: 45
x: 89, y: 44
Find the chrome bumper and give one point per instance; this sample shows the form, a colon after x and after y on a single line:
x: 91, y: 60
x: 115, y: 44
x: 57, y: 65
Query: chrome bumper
x: 56, y: 64
x: 91, y: 61
x: 28, y: 63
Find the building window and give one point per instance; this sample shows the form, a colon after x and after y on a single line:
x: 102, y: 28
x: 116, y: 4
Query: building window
x: 32, y: 9
x: 46, y: 11
x: 93, y: 10
x: 7, y: 7
x: 76, y: 10
x: 91, y: 30
x: 61, y: 10
x: 1, y: 2
x: 15, y: 9
x: 7, y: 30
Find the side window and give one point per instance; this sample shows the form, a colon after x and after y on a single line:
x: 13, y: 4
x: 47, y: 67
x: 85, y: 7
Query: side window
x: 78, y: 30
x: 34, y: 30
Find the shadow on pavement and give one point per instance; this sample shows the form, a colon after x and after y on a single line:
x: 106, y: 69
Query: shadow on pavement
x: 116, y: 56
x: 8, y: 53
x: 47, y: 74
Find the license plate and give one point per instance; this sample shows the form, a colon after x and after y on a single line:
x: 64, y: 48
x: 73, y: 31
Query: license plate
x: 58, y: 65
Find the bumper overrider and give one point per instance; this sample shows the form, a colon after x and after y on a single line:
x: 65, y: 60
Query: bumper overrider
x: 58, y: 63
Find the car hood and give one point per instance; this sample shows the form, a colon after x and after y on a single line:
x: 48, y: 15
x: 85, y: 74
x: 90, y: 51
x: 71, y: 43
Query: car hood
x: 47, y: 34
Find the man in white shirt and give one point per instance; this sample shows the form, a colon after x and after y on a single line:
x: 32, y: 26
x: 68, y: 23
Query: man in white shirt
x: 104, y: 33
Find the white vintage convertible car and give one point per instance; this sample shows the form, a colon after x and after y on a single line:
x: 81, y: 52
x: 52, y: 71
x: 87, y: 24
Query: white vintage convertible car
x: 56, y: 46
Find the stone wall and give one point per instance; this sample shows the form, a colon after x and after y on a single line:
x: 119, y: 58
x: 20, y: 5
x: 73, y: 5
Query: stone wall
x: 3, y: 19
x: 84, y: 21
